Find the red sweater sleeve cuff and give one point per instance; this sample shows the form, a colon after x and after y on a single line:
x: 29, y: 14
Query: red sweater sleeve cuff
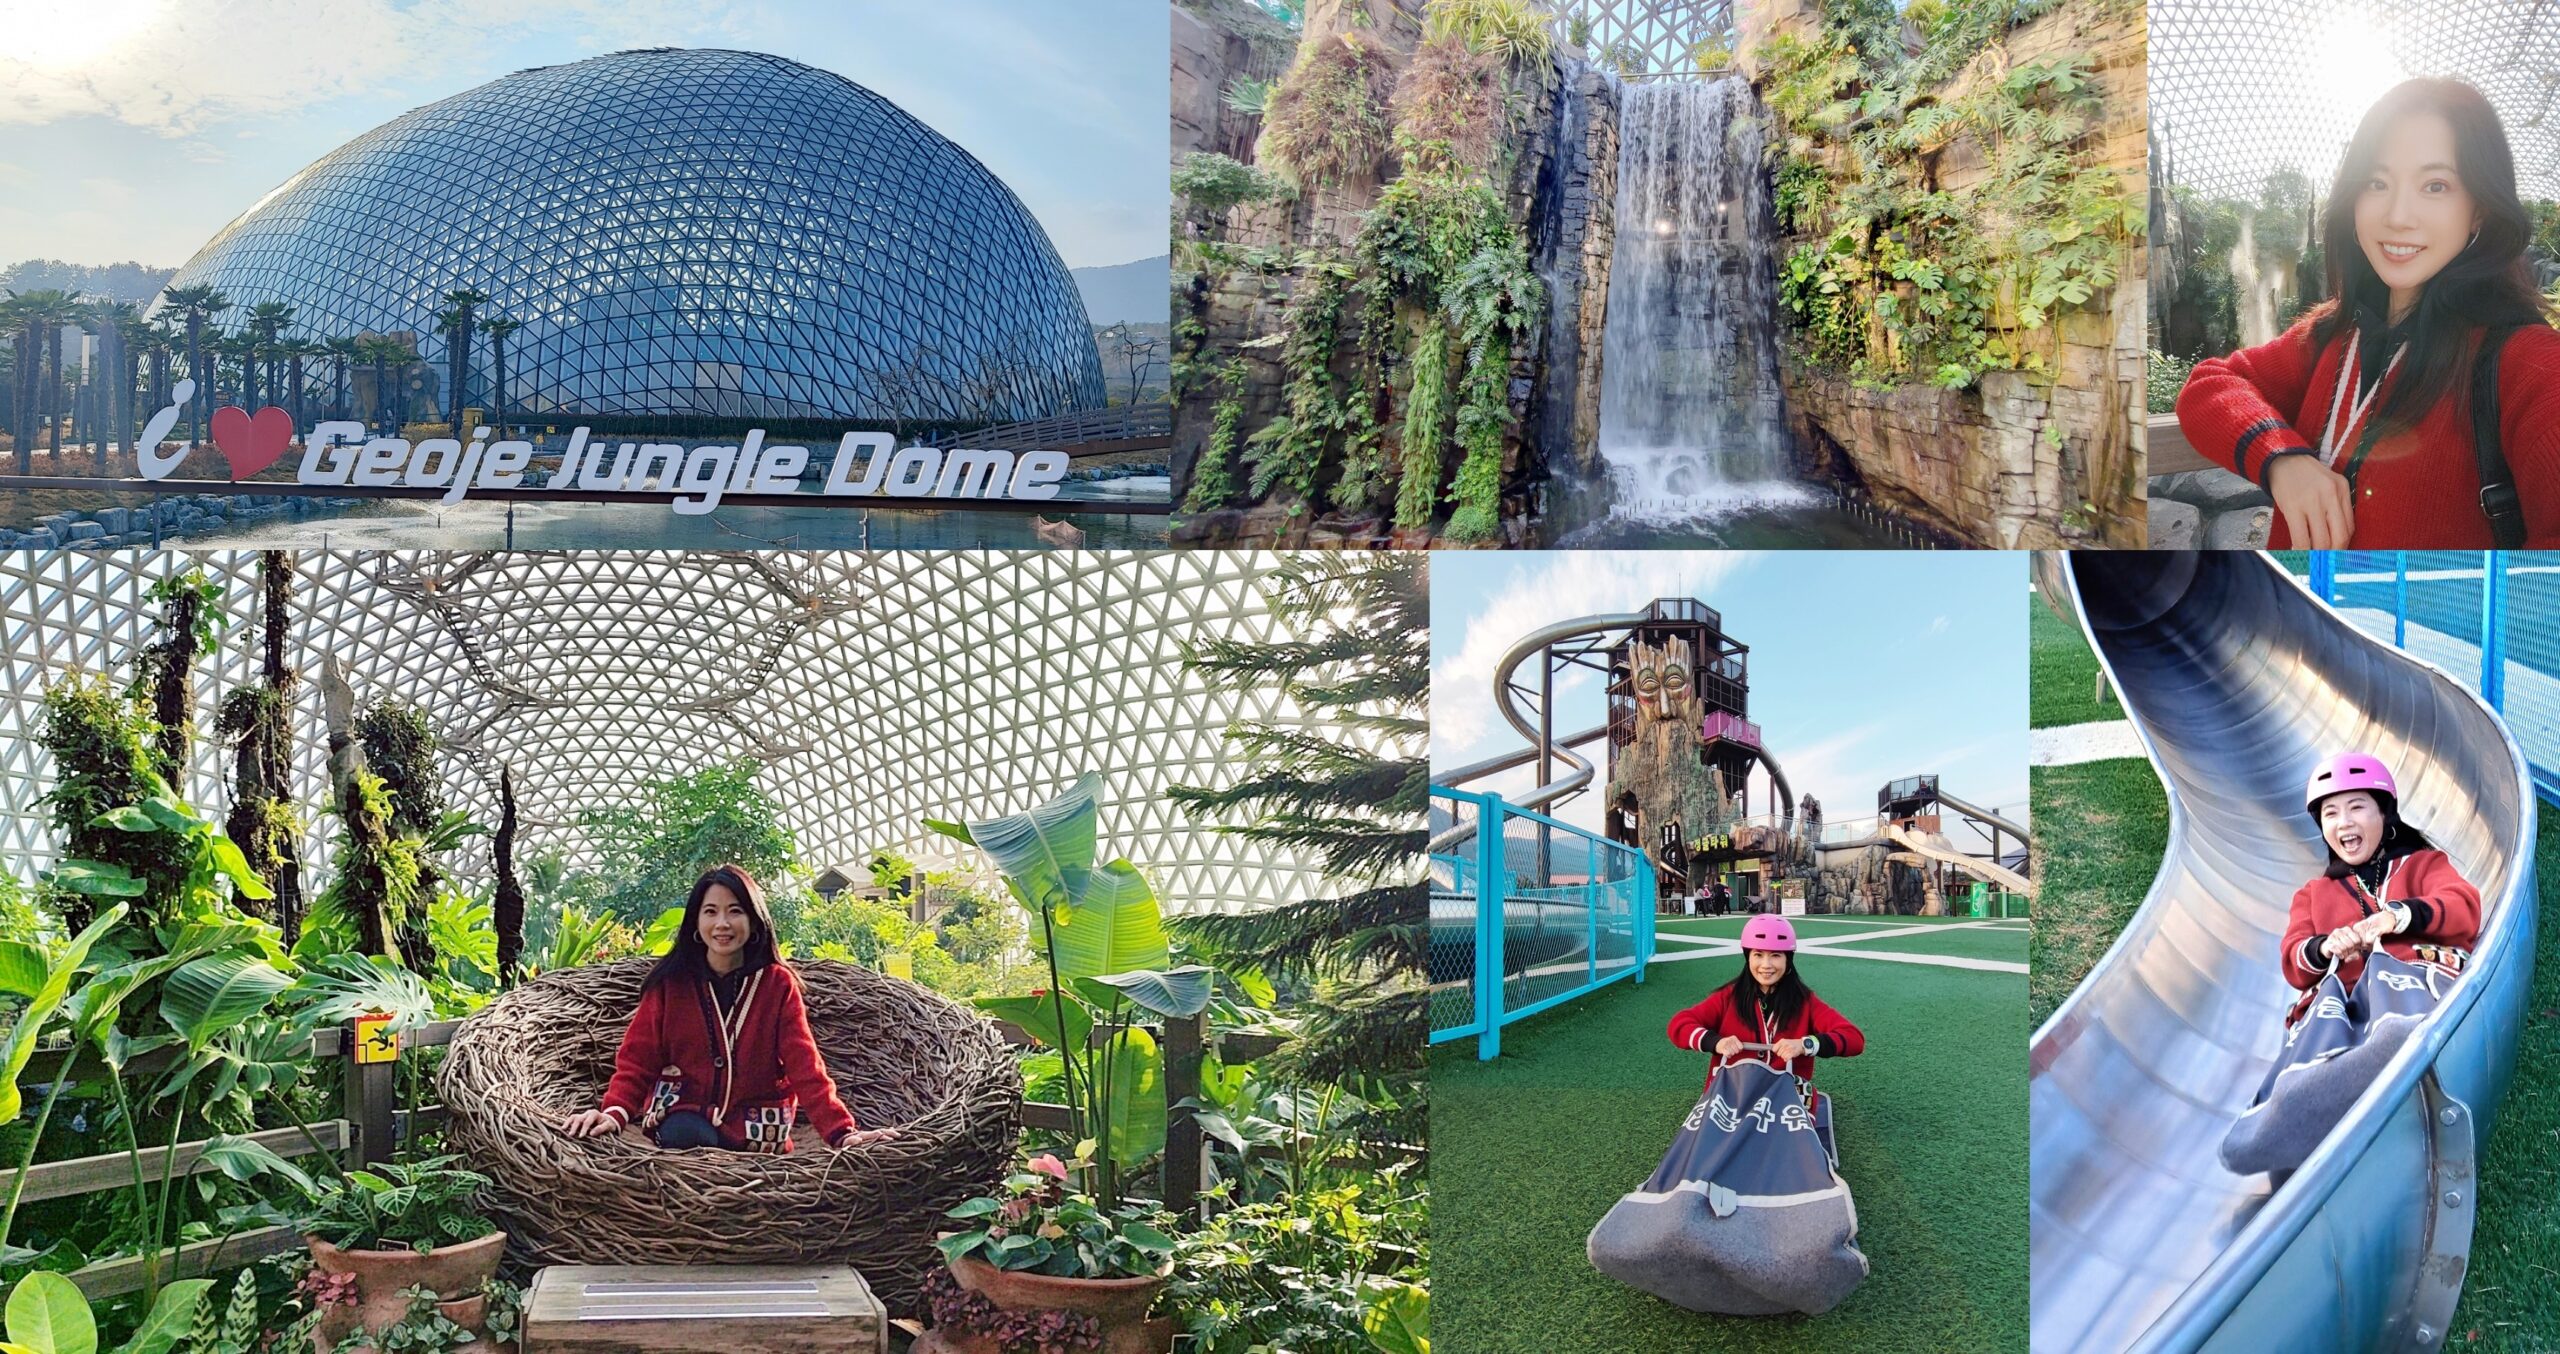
x: 2260, y: 443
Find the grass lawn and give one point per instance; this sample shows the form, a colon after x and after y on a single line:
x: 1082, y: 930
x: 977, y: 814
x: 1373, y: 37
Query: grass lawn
x: 1529, y: 1150
x: 2063, y: 675
x: 2101, y: 828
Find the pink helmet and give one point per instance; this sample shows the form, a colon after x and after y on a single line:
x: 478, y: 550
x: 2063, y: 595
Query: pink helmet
x: 2350, y: 771
x: 1768, y: 932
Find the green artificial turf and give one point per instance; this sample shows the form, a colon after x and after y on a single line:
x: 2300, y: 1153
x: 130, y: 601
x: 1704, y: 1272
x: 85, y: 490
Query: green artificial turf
x: 2101, y: 830
x: 2511, y: 1299
x: 1530, y: 1150
x: 2062, y: 673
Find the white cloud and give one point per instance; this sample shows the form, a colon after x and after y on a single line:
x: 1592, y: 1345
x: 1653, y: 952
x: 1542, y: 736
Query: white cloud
x: 1938, y: 626
x: 194, y: 65
x: 1569, y: 584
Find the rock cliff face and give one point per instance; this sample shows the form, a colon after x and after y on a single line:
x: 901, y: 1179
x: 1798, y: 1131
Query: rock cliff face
x: 2018, y: 462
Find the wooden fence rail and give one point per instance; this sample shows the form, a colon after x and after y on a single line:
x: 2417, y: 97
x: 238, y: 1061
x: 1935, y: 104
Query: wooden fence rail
x: 372, y: 1125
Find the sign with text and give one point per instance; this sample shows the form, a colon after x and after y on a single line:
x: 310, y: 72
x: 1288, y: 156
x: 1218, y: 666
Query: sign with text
x: 340, y: 453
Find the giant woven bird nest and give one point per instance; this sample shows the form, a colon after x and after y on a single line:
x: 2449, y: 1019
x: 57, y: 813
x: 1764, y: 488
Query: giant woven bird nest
x: 901, y: 1057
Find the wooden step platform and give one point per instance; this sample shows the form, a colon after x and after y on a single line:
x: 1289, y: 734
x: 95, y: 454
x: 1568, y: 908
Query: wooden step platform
x: 735, y: 1309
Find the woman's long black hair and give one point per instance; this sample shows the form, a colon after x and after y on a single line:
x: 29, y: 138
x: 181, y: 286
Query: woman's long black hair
x: 689, y: 956
x: 2488, y: 283
x: 1783, y: 1000
x: 2398, y: 838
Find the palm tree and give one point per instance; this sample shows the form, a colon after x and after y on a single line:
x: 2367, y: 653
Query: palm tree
x: 458, y: 349
x: 498, y: 327
x: 49, y: 310
x: 382, y: 352
x: 267, y: 320
x: 341, y: 350
x: 295, y: 351
x: 111, y: 321
x: 10, y: 324
x: 199, y: 304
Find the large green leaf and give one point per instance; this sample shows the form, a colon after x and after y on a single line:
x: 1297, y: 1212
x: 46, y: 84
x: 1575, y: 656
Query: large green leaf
x: 233, y: 866
x: 22, y: 968
x: 208, y: 996
x: 245, y: 1159
x: 662, y: 932
x: 97, y: 879
x: 344, y: 986
x: 170, y: 1317
x: 1137, y: 1097
x: 1038, y: 1016
x: 1047, y: 853
x: 1167, y: 992
x: 1114, y: 926
x: 1398, y: 1320
x: 46, y: 1313
x: 60, y: 971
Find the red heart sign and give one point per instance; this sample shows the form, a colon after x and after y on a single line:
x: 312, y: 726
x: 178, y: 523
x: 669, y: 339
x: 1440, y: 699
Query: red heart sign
x: 251, y: 444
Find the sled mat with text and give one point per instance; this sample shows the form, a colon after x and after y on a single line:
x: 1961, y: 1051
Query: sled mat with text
x: 1746, y: 1215
x: 2341, y: 1043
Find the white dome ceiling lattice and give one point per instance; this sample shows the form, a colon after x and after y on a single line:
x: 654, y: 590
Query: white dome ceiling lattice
x: 2240, y: 90
x: 878, y: 689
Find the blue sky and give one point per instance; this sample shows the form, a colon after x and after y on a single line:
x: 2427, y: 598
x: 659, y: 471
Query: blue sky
x: 135, y: 129
x: 1865, y: 666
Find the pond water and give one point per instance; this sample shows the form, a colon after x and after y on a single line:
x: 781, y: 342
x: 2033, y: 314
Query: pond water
x: 1769, y: 515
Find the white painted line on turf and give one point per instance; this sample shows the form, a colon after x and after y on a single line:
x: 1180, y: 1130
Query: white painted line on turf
x: 1904, y: 930
x: 1940, y: 960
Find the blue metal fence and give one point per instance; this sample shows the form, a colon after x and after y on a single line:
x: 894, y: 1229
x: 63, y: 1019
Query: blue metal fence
x: 2489, y: 617
x: 1526, y: 912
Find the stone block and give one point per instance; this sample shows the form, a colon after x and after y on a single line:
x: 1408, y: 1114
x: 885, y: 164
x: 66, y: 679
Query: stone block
x: 2210, y: 490
x: 2175, y: 525
x: 2242, y: 529
x: 84, y: 531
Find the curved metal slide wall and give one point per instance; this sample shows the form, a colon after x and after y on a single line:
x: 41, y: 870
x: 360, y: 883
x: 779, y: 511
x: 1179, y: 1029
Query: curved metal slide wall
x: 2237, y: 680
x: 1935, y: 846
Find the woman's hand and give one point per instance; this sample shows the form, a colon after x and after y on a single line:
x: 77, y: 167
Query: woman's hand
x: 2345, y: 942
x: 857, y: 1137
x: 1788, y: 1050
x: 1728, y: 1046
x: 2318, y: 504
x: 590, y: 1124
x: 2380, y: 924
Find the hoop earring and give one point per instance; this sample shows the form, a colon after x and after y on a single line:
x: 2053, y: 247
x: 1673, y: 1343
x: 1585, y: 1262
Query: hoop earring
x: 2475, y: 239
x: 2391, y: 834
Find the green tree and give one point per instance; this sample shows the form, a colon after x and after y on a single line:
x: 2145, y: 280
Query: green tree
x: 1348, y: 786
x: 657, y: 846
x: 198, y: 304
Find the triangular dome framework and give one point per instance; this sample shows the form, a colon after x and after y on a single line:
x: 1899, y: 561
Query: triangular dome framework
x: 879, y: 688
x: 2238, y: 91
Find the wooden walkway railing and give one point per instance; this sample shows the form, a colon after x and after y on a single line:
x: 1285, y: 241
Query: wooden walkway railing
x: 371, y: 1126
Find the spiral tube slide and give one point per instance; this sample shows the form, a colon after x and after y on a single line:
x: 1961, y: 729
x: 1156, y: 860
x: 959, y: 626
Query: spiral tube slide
x: 2237, y: 679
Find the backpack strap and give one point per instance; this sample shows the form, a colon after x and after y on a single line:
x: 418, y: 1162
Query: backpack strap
x: 2498, y: 496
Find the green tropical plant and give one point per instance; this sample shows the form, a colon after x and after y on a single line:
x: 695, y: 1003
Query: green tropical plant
x: 417, y: 1206
x: 1103, y: 938
x: 1327, y: 122
x: 1213, y: 183
x: 676, y: 828
x: 1031, y: 1223
x: 1332, y: 1271
x: 48, y: 1314
x: 1515, y: 30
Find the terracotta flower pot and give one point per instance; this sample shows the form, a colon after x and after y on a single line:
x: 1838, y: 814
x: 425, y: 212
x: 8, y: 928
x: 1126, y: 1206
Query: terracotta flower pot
x: 457, y: 1271
x: 1119, y: 1304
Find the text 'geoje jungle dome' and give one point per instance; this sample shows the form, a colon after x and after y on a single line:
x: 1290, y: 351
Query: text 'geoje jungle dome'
x: 681, y: 232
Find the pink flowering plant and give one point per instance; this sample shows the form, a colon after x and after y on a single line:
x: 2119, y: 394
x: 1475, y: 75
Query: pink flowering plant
x: 1034, y: 1223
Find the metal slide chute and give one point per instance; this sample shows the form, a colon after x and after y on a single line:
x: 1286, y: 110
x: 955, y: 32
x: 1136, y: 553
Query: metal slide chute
x: 1934, y: 846
x: 2237, y: 680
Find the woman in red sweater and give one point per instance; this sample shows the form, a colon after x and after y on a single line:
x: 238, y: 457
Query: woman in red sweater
x: 2358, y: 420
x: 1767, y: 1003
x: 719, y: 1053
x: 2386, y: 887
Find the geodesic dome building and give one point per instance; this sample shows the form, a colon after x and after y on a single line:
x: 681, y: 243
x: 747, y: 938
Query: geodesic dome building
x: 2240, y: 90
x: 680, y: 232
x: 876, y: 689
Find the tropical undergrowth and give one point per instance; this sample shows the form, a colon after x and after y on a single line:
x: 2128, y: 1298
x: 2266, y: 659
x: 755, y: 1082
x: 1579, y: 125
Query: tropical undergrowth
x: 1899, y: 276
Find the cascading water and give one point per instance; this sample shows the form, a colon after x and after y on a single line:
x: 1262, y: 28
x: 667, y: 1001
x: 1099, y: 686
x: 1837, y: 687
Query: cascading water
x: 1690, y: 415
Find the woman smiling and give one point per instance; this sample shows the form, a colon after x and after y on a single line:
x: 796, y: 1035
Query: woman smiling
x: 2420, y: 406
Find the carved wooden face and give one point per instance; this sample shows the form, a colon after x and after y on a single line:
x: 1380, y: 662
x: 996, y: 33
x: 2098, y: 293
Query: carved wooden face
x: 1660, y: 677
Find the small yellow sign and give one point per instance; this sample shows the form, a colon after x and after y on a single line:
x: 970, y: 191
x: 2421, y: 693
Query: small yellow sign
x: 898, y: 964
x: 376, y: 1041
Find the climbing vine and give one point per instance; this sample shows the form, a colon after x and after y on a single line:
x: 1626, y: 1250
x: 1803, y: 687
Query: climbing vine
x: 1213, y: 480
x: 1903, y: 278
x: 1493, y: 300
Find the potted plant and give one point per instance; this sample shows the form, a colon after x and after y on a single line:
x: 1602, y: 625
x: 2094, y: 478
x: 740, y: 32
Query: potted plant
x: 1041, y: 1268
x: 395, y: 1229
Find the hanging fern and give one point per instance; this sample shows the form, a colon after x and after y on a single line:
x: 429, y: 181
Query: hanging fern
x: 1426, y: 410
x: 1213, y: 480
x: 1327, y: 122
x: 1495, y: 301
